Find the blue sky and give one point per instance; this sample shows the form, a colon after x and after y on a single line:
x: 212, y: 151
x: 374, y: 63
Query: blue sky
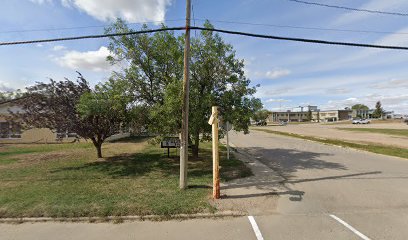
x: 290, y: 73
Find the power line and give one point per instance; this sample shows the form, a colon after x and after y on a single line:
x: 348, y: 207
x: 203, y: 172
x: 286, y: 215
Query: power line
x: 350, y: 8
x: 317, y: 41
x: 85, y: 27
x: 301, y: 27
x: 349, y: 44
x: 211, y: 20
x: 91, y: 36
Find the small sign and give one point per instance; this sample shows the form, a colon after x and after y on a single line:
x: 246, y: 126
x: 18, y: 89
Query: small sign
x: 170, y: 142
x: 212, y: 120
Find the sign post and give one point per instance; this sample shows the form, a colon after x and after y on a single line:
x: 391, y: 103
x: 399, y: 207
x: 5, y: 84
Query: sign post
x: 216, y: 161
x: 228, y: 128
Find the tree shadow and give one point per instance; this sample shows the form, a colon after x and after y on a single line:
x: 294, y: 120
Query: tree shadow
x: 148, y: 161
x: 286, y: 162
x: 294, y: 195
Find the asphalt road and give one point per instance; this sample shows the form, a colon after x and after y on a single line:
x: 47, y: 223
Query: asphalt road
x: 307, y: 191
x: 367, y: 191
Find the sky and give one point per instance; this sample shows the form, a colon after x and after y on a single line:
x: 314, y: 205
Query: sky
x: 291, y: 74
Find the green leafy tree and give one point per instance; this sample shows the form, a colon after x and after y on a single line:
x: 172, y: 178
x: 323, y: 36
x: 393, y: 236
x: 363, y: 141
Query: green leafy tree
x: 261, y: 115
x: 359, y: 107
x: 379, y: 111
x: 155, y: 72
x: 74, y: 107
x: 11, y: 95
x: 106, y: 110
x: 309, y: 115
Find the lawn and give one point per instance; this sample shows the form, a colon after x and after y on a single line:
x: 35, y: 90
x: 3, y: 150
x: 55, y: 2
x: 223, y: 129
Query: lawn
x: 135, y: 178
x: 375, y: 148
x: 393, y: 132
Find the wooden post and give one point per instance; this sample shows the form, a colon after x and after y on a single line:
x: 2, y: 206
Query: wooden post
x: 216, y: 161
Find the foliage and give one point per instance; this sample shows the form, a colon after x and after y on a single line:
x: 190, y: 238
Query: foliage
x: 359, y: 107
x: 10, y: 95
x: 53, y: 105
x: 310, y: 115
x: 261, y: 115
x: 379, y: 111
x: 105, y: 109
x: 154, y: 69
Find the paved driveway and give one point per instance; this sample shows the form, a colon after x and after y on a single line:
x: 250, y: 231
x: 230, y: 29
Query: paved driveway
x: 369, y: 192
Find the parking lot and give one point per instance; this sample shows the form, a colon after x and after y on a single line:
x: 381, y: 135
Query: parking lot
x: 332, y: 131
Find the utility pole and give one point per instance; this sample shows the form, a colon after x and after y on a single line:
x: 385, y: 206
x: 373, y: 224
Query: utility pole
x: 185, y: 107
x: 216, y: 160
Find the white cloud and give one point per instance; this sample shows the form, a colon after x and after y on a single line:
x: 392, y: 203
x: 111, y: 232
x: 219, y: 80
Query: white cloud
x: 277, y: 73
x: 379, y: 5
x: 41, y: 1
x: 397, y: 103
x: 58, y: 48
x: 391, y: 84
x: 5, y: 87
x: 277, y: 100
x: 338, y: 91
x: 90, y: 60
x: 129, y: 10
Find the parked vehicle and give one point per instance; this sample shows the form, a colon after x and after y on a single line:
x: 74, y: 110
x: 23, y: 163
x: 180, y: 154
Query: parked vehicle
x: 261, y: 123
x: 361, y: 121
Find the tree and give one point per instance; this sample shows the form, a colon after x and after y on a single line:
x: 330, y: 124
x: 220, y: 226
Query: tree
x: 217, y: 78
x: 359, y: 107
x: 309, y: 115
x: 379, y: 111
x: 10, y: 95
x: 261, y: 115
x: 106, y: 110
x: 53, y: 105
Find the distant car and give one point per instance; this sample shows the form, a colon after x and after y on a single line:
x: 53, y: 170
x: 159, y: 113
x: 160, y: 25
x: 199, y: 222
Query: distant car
x: 361, y: 121
x: 261, y: 123
x: 283, y: 123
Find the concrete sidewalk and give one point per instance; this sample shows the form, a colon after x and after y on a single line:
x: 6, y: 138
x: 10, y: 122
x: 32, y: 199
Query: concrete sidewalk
x: 197, y: 229
x: 254, y: 195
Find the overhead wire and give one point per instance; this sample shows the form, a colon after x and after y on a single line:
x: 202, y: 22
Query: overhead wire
x: 85, y: 27
x: 301, y: 27
x: 213, y: 20
x: 349, y: 8
x: 264, y: 36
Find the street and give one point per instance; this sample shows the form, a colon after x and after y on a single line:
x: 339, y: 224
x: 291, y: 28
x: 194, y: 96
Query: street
x: 301, y: 190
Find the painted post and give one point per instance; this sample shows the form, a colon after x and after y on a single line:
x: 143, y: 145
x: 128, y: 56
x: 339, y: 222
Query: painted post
x: 216, y: 175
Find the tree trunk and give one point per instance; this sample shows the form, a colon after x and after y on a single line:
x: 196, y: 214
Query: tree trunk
x: 99, y: 150
x: 98, y: 145
x: 196, y: 139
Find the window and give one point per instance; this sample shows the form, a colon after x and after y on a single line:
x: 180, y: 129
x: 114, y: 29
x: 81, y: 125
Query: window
x: 10, y: 130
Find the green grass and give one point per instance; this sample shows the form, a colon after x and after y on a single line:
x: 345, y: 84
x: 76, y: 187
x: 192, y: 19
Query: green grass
x: 134, y: 179
x: 393, y: 132
x: 375, y: 148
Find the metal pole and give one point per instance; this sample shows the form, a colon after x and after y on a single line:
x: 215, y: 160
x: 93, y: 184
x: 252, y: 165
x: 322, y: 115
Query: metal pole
x: 185, y: 108
x: 228, y: 147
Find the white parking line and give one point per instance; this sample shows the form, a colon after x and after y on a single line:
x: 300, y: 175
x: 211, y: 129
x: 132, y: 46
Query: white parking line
x: 350, y: 227
x: 255, y: 227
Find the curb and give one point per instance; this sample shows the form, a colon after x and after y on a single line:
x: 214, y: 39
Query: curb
x: 119, y: 219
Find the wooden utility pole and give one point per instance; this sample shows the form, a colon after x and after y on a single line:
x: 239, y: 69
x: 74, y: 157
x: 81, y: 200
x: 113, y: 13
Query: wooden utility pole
x: 185, y: 107
x: 216, y: 161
